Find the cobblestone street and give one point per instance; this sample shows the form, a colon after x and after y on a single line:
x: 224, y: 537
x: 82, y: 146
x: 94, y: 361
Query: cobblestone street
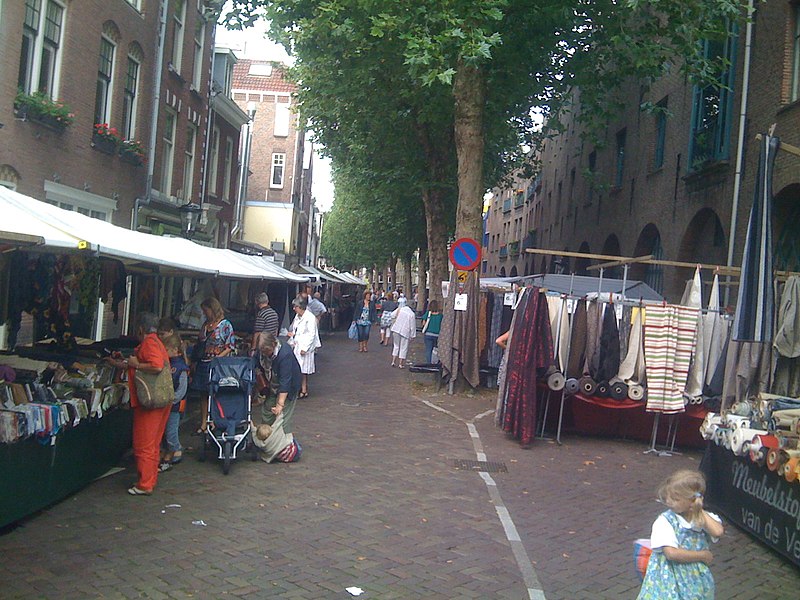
x: 376, y: 502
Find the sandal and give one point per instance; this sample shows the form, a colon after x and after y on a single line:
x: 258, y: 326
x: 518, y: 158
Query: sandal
x: 176, y: 458
x: 302, y: 395
x: 164, y: 466
x: 135, y: 491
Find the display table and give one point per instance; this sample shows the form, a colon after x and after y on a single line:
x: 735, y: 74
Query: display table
x: 754, y: 498
x: 35, y: 475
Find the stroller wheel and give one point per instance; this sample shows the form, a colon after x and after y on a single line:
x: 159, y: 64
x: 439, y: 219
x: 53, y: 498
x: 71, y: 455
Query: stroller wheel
x: 227, y: 450
x: 203, y: 448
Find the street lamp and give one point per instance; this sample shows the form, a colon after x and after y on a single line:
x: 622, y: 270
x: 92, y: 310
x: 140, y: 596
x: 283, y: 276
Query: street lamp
x: 190, y: 219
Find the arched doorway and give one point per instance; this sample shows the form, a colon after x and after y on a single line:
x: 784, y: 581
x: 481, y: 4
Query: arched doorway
x: 502, y: 271
x: 703, y: 241
x: 611, y: 248
x: 582, y: 263
x: 785, y: 233
x: 649, y: 242
x: 513, y: 271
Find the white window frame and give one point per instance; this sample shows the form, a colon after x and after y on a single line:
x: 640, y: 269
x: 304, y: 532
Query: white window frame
x: 77, y: 200
x: 9, y: 185
x: 197, y: 67
x: 283, y: 118
x: 278, y: 162
x: 105, y: 117
x: 213, y: 169
x: 188, y: 161
x: 33, y: 75
x: 137, y: 4
x: 168, y: 152
x: 226, y: 192
x: 178, y: 29
x: 129, y: 115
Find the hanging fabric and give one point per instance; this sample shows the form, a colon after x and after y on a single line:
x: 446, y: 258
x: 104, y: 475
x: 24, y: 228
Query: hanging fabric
x: 624, y: 331
x: 559, y: 329
x: 715, y: 332
x: 495, y: 352
x: 608, y: 349
x: 458, y: 337
x: 632, y: 369
x: 694, y: 299
x: 532, y: 351
x: 787, y: 341
x: 502, y: 392
x: 577, y: 345
x: 756, y: 303
x: 593, y: 327
x: 668, y: 342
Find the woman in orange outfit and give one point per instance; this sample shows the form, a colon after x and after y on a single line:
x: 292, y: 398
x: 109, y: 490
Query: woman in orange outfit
x: 148, y: 424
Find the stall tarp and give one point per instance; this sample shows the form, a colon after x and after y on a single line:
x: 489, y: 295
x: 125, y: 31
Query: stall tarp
x: 580, y: 285
x: 67, y: 229
x: 349, y: 278
x: 320, y: 275
x: 20, y: 224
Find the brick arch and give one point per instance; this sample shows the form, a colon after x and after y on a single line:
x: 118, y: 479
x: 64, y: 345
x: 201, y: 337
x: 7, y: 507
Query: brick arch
x: 611, y: 247
x: 513, y: 272
x: 649, y: 242
x: 785, y: 233
x: 502, y: 271
x: 9, y: 175
x: 135, y: 51
x: 704, y: 239
x: 111, y: 31
x: 582, y: 263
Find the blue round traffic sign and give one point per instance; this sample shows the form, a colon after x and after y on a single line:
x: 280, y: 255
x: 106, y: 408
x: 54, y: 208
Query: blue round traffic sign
x: 465, y: 254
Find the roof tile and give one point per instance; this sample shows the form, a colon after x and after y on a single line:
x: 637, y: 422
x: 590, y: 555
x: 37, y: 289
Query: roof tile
x: 276, y: 82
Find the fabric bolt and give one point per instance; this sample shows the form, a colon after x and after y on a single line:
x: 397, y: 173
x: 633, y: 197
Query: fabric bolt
x: 495, y: 352
x: 608, y: 349
x: 755, y: 306
x: 624, y: 331
x: 559, y: 328
x: 577, y: 346
x: 715, y: 332
x: 532, y: 351
x: 787, y: 337
x: 632, y: 369
x: 593, y: 328
x: 715, y: 385
x: 694, y: 299
x: 458, y: 337
x: 668, y: 342
x: 502, y: 371
x: 748, y: 371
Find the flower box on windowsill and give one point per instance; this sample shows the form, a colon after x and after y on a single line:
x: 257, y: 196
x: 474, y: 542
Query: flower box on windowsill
x: 132, y: 158
x: 104, y: 144
x: 47, y: 121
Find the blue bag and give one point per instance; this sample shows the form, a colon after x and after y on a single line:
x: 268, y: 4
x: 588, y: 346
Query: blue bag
x: 352, y: 333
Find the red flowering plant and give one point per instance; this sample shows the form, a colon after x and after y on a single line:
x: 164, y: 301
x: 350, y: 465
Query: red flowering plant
x: 103, y: 131
x: 133, y: 150
x: 39, y: 106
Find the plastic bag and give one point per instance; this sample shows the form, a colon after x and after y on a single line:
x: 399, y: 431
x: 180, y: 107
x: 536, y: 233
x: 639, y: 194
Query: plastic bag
x: 352, y: 333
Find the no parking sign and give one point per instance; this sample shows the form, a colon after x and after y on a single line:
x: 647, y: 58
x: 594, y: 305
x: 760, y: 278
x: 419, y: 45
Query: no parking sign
x: 465, y: 254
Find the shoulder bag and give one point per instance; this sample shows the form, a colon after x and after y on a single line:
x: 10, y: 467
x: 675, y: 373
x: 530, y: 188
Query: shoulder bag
x: 154, y: 390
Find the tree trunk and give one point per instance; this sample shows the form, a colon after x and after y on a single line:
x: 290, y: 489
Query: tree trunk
x: 469, y: 91
x: 407, y: 288
x: 393, y: 271
x: 423, y: 279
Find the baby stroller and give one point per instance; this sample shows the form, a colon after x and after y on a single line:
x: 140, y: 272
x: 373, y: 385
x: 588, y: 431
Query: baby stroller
x: 230, y: 386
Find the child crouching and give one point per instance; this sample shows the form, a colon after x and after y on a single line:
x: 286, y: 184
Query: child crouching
x: 275, y: 444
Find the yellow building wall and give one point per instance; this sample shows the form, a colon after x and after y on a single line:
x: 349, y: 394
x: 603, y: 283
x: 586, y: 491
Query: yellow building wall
x: 266, y: 224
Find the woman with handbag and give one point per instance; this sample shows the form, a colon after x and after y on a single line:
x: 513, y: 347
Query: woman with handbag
x: 364, y: 316
x: 149, y: 359
x: 214, y: 339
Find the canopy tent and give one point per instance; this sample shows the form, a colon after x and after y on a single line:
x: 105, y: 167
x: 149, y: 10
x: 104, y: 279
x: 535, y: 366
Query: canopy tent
x: 345, y: 277
x: 64, y: 229
x: 318, y: 275
x: 579, y: 285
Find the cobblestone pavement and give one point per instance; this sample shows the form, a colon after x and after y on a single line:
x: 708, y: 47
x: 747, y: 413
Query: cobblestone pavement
x: 376, y: 502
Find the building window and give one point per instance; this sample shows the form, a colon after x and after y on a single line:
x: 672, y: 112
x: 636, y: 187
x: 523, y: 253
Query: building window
x: 213, y: 168
x: 137, y: 4
x: 41, y: 41
x: 178, y: 20
x: 620, y: 158
x: 129, y: 99
x: 278, y: 165
x: 661, y: 134
x: 282, y: 117
x: 226, y: 190
x: 80, y: 201
x: 712, y: 107
x: 188, y: 165
x: 167, y: 153
x: 105, y: 72
x: 795, y: 92
x: 199, y: 36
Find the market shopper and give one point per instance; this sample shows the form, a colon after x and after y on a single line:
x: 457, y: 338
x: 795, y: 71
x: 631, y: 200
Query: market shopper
x: 431, y: 324
x: 304, y: 340
x: 215, y: 339
x: 267, y: 319
x: 388, y: 306
x: 403, y: 330
x: 678, y: 565
x: 180, y: 383
x: 316, y: 306
x: 148, y: 424
x: 364, y: 316
x: 280, y: 360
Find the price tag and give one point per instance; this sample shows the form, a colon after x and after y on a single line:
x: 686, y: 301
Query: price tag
x: 618, y: 311
x: 461, y: 302
x: 571, y: 304
x: 508, y: 299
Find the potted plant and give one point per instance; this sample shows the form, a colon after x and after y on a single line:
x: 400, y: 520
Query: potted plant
x: 105, y: 139
x: 40, y: 108
x: 132, y: 152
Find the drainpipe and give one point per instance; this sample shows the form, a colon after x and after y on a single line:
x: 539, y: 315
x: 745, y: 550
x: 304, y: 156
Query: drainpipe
x: 211, y: 17
x: 737, y: 179
x: 241, y: 196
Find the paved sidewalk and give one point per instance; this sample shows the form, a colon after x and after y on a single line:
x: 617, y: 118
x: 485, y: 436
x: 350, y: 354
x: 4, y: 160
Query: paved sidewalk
x: 376, y: 502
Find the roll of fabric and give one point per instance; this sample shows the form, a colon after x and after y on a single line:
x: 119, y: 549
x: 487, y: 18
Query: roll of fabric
x: 636, y: 392
x: 789, y: 442
x: 736, y: 421
x: 588, y: 386
x: 712, y: 421
x: 773, y: 459
x: 555, y: 381
x: 571, y: 386
x: 790, y: 469
x: 619, y: 391
x: 741, y: 438
x: 603, y: 390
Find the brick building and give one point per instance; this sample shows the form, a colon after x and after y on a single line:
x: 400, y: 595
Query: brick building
x: 666, y: 182
x: 278, y: 207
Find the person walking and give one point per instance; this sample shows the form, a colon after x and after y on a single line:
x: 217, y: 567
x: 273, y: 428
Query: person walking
x: 431, y: 324
x: 404, y: 330
x: 304, y: 339
x: 316, y: 306
x: 364, y: 316
x: 148, y: 423
x: 388, y: 306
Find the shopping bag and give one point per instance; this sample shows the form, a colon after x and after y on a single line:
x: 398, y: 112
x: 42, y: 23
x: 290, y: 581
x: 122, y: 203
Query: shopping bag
x: 352, y: 333
x: 154, y: 390
x: 641, y: 556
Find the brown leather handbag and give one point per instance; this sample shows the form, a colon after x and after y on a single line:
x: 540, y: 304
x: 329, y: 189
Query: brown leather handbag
x: 154, y: 390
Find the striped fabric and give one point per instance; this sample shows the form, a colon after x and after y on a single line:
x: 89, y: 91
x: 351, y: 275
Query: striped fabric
x: 755, y: 307
x: 668, y: 343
